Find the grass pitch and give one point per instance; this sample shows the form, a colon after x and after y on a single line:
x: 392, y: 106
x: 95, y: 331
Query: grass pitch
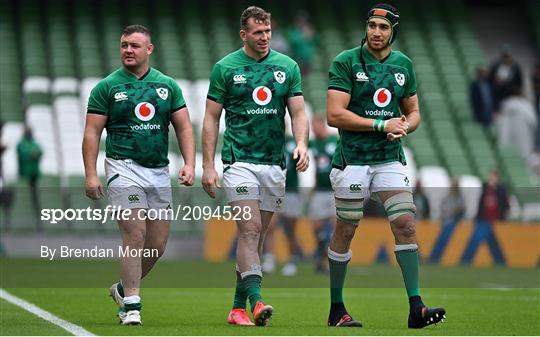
x: 299, y: 308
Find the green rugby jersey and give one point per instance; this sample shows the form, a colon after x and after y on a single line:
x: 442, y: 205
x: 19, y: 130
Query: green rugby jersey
x: 374, y: 95
x: 138, y: 114
x: 323, y: 150
x: 291, y: 179
x: 254, y: 95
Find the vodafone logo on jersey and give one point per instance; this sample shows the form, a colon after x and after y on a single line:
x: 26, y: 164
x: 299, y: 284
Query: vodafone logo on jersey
x: 262, y: 95
x: 382, y: 97
x: 145, y: 111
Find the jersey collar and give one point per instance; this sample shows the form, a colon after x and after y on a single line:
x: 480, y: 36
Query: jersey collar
x: 145, y: 74
x: 261, y: 60
x: 372, y: 59
x: 131, y: 75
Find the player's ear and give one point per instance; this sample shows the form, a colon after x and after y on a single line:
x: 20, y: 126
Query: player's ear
x: 243, y: 35
x: 149, y: 49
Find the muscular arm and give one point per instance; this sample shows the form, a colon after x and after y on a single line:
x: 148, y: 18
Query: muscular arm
x: 300, y: 129
x: 184, y: 135
x: 186, y: 142
x: 299, y: 120
x: 90, y: 147
x: 210, y: 132
x: 92, y: 135
x: 410, y: 109
x: 340, y: 117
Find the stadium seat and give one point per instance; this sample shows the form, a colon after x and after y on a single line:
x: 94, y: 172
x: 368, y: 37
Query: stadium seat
x: 12, y: 133
x: 86, y: 86
x: 39, y: 84
x: 70, y: 134
x: 531, y: 211
x: 471, y: 190
x: 435, y: 181
x: 10, y: 75
x: 65, y: 85
x: 40, y: 120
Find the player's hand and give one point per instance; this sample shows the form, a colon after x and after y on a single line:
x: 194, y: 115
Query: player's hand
x: 210, y: 180
x: 300, y: 154
x: 186, y: 175
x: 93, y: 187
x: 397, y: 126
x: 395, y: 136
x: 407, y: 124
x: 392, y: 136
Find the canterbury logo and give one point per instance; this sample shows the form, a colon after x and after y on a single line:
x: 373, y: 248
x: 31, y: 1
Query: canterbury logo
x: 239, y: 79
x: 120, y: 96
x: 133, y: 198
x: 242, y: 190
x: 361, y: 77
x: 355, y: 188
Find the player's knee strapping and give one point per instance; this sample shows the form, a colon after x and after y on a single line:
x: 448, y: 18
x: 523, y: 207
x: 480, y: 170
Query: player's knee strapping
x: 349, y: 211
x: 254, y: 269
x: 400, y: 204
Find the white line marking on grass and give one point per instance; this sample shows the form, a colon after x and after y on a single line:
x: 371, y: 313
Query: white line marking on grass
x: 69, y: 327
x: 496, y: 286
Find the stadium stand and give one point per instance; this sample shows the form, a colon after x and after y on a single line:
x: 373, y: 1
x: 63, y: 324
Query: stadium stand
x: 54, y: 52
x: 10, y: 75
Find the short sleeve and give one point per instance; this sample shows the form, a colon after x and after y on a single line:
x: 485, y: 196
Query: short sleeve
x: 178, y: 101
x: 98, y: 102
x: 340, y: 74
x: 410, y: 88
x: 295, y: 87
x: 217, y: 89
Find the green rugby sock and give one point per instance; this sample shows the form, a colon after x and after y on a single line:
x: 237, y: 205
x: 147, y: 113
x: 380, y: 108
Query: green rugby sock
x: 252, y: 286
x: 407, y: 258
x: 240, y: 295
x: 120, y: 288
x: 338, y: 269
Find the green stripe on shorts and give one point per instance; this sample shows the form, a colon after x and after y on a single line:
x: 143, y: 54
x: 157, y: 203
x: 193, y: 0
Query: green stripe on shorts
x: 112, y: 178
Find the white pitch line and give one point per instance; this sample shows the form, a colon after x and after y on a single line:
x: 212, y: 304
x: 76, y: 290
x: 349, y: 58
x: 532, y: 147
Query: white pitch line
x: 69, y: 327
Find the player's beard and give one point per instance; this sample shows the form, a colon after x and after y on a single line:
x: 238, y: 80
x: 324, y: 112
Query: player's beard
x: 380, y: 47
x: 134, y: 65
x: 254, y: 46
x: 132, y: 59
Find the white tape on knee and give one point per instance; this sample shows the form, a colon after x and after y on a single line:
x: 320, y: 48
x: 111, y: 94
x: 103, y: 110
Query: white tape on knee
x: 349, y: 211
x: 399, y: 204
x: 254, y: 269
x: 338, y: 256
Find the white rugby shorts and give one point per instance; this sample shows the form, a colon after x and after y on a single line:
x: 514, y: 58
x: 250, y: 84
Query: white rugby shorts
x: 131, y: 185
x: 248, y: 181
x: 358, y: 182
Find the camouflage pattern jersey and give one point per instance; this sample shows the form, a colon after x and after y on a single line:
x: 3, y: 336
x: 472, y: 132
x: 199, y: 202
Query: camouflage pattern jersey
x: 375, y: 93
x: 254, y: 95
x: 138, y: 114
